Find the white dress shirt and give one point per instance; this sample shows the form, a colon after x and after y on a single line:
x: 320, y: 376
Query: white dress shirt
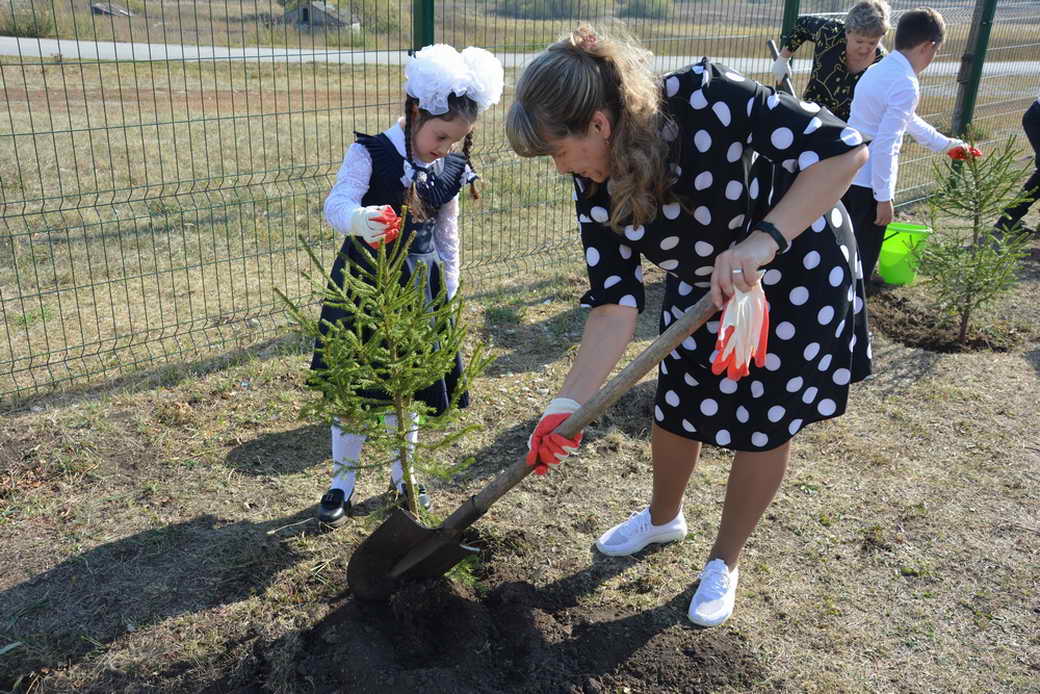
x: 352, y: 184
x: 882, y: 110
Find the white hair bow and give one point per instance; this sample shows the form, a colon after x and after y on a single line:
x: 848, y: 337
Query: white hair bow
x: 439, y: 70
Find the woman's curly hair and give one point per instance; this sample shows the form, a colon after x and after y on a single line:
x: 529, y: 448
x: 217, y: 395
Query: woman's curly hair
x: 561, y: 90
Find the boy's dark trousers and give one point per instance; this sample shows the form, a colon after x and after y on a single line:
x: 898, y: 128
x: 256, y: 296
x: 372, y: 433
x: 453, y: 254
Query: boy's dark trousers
x: 862, y: 208
x: 1031, y: 124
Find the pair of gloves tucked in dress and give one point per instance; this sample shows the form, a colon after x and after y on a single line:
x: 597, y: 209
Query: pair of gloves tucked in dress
x: 743, y: 334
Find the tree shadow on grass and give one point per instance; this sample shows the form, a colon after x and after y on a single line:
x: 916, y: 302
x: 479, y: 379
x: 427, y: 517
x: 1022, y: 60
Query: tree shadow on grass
x: 281, y: 452
x: 91, y: 599
x: 534, y: 344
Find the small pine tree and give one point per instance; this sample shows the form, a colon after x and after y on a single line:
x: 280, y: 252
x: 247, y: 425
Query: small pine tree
x: 397, y: 344
x: 967, y: 264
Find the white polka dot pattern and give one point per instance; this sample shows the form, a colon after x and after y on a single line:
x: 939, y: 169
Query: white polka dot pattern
x: 782, y: 138
x: 817, y: 339
x: 702, y: 141
x: 722, y: 111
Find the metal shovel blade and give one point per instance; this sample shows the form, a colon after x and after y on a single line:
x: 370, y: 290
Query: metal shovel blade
x: 377, y: 566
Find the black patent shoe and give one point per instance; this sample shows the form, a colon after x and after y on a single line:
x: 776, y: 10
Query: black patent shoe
x: 334, y: 508
x: 402, y: 497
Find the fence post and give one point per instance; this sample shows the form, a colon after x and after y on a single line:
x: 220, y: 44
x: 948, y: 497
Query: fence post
x: 791, y: 8
x: 422, y: 23
x: 970, y: 73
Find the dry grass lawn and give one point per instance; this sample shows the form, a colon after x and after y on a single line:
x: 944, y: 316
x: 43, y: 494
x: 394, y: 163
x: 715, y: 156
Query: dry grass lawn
x: 160, y: 537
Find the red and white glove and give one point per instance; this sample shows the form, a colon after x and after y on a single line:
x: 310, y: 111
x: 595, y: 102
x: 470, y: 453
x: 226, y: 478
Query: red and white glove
x: 962, y: 150
x: 743, y: 333
x: 376, y: 224
x: 544, y: 448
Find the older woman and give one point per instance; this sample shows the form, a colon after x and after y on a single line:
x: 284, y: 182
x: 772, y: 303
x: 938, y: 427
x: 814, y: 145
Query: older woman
x: 843, y: 51
x: 663, y: 171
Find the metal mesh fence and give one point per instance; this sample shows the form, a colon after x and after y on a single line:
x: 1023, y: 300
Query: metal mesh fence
x: 164, y: 162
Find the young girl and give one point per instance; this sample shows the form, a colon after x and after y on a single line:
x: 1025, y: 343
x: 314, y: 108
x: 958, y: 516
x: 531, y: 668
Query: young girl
x: 409, y: 164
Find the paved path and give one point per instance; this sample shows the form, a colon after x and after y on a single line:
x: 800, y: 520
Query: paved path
x: 114, y: 51
x: 88, y: 50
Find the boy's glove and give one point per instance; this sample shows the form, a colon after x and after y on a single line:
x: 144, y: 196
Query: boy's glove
x: 743, y: 333
x: 781, y: 69
x: 376, y: 224
x: 544, y: 448
x: 962, y: 151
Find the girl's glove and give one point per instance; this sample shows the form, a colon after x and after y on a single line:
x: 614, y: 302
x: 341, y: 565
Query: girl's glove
x: 963, y: 150
x: 781, y: 69
x: 376, y: 224
x: 743, y: 333
x: 544, y: 448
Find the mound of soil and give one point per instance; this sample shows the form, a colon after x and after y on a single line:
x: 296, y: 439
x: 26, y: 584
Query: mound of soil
x: 438, y: 636
x: 904, y: 314
x: 906, y: 319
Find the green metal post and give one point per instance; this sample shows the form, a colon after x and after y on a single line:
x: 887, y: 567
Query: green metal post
x: 791, y: 8
x: 970, y: 73
x: 422, y: 23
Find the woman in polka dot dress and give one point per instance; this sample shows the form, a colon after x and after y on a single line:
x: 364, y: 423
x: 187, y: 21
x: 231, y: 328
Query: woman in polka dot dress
x: 663, y: 171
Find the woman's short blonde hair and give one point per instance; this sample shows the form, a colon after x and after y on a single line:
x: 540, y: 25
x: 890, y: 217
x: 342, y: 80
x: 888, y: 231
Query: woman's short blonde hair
x: 868, y: 18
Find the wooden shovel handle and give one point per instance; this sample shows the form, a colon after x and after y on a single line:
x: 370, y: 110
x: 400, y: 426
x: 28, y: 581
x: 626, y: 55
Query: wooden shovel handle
x: 476, y: 506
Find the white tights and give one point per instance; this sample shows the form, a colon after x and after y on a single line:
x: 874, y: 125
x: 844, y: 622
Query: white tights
x: 346, y: 452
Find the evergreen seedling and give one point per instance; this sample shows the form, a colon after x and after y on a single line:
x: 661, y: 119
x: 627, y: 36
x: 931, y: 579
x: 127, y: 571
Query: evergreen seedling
x: 397, y: 344
x: 967, y: 263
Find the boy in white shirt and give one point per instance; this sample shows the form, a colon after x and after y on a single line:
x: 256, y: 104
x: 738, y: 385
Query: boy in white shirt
x: 882, y: 110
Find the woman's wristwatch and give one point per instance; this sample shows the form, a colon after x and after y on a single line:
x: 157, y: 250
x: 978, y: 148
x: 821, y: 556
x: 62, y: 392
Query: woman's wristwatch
x: 782, y: 244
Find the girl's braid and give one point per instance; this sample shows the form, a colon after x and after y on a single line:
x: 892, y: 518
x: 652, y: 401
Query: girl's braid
x: 467, y: 144
x: 410, y: 198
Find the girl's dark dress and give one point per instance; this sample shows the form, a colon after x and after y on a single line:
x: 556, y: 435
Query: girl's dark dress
x: 436, y: 186
x: 818, y: 341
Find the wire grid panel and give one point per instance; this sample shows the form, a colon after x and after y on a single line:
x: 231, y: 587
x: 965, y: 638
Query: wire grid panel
x: 166, y: 163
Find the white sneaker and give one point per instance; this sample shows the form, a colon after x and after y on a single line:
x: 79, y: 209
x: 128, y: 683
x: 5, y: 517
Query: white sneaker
x: 637, y: 532
x: 712, y: 604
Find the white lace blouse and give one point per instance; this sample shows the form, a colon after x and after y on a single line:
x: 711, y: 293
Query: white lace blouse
x: 352, y: 184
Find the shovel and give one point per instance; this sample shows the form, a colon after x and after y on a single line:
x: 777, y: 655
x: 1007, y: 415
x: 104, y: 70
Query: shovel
x: 402, y: 548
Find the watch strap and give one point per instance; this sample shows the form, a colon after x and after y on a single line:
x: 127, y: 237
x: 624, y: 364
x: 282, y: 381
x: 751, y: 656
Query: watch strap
x: 782, y: 243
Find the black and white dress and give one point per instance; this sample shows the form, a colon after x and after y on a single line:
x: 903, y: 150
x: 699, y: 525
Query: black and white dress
x: 375, y: 172
x: 818, y: 340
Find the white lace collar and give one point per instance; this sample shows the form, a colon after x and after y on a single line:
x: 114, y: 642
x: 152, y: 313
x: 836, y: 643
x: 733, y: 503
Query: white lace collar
x: 395, y: 133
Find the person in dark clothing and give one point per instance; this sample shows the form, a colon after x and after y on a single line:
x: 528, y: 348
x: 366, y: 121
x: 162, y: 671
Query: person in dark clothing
x: 843, y: 50
x: 1031, y: 190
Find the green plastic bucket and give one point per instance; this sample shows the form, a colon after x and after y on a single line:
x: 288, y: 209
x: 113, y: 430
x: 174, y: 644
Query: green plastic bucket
x: 897, y: 263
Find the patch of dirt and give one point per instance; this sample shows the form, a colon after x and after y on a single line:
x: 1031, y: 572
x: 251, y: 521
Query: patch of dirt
x: 438, y: 636
x: 904, y: 314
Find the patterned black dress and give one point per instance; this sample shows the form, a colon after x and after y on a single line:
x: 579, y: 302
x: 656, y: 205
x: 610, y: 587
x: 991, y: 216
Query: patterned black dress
x: 818, y: 340
x: 830, y: 82
x: 436, y: 186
